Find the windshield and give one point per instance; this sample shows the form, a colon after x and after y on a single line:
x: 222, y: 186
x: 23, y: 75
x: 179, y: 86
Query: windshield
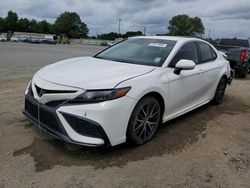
x: 139, y: 51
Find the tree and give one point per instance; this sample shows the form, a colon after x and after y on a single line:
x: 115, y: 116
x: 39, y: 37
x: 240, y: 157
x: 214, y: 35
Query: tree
x: 3, y: 25
x: 33, y: 27
x: 108, y: 36
x: 43, y: 27
x: 132, y: 34
x: 184, y: 25
x: 70, y: 24
x: 11, y: 21
x: 23, y: 25
x: 113, y: 36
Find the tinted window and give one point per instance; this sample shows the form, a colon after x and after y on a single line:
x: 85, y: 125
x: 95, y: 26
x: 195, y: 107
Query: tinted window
x: 188, y: 51
x: 205, y: 52
x: 139, y: 51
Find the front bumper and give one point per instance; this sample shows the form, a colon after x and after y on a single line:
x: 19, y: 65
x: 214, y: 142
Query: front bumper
x: 94, y: 125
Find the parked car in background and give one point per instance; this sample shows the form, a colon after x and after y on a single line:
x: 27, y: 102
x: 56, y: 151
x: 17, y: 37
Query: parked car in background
x: 14, y: 39
x: 126, y: 91
x: 25, y: 38
x: 110, y: 43
x: 36, y: 39
x: 237, y: 53
x: 3, y: 38
x: 104, y: 43
x: 49, y: 41
x: 107, y: 43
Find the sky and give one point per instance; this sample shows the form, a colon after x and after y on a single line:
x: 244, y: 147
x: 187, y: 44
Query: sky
x: 224, y: 18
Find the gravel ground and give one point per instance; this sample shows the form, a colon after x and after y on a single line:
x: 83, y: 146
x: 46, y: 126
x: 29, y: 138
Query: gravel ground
x: 208, y: 147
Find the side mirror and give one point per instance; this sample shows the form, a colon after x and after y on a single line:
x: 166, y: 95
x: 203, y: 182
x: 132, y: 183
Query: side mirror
x: 183, y: 64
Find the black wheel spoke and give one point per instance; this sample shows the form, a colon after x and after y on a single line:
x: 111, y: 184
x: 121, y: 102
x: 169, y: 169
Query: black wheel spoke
x: 138, y: 126
x: 143, y: 129
x: 140, y: 120
x: 150, y: 127
x: 153, y: 115
x: 144, y: 113
x: 152, y: 110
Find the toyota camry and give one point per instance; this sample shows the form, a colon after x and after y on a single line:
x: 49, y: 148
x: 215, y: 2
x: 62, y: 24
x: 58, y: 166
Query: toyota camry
x: 126, y: 91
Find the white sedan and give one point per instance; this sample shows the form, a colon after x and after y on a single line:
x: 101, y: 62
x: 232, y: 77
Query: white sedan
x: 126, y: 91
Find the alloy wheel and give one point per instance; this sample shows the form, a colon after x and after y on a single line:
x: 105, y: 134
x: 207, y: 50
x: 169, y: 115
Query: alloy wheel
x: 146, y: 121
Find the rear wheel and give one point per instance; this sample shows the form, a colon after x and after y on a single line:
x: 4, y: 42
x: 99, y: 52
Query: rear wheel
x: 220, y: 90
x: 144, y: 121
x: 243, y: 74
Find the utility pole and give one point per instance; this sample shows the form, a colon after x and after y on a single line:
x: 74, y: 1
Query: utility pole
x: 119, y: 25
x: 144, y: 31
x: 209, y: 33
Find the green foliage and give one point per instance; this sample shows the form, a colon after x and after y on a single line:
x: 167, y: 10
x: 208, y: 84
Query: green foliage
x: 132, y: 34
x: 113, y: 36
x: 183, y: 25
x: 67, y: 23
x: 11, y: 21
x: 70, y: 24
x: 108, y: 36
x: 23, y: 24
x: 3, y: 25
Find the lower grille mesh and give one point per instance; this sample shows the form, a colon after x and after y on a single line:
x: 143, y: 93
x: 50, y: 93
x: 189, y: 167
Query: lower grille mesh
x: 46, y: 117
x: 82, y: 126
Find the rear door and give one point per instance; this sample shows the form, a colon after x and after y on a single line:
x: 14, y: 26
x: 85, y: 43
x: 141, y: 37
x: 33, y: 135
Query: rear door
x: 209, y: 67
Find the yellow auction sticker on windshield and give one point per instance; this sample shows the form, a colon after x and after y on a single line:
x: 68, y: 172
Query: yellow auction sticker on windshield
x: 160, y: 45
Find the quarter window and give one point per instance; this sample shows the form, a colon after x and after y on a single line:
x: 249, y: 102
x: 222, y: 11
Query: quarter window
x: 188, y: 51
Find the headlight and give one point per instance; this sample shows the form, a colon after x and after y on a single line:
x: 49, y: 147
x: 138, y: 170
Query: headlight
x: 91, y: 96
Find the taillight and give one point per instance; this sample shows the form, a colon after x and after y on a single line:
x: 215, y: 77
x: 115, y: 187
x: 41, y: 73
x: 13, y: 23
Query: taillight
x: 243, y: 55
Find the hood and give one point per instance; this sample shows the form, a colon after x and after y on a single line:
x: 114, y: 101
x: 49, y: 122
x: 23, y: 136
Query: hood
x: 91, y: 73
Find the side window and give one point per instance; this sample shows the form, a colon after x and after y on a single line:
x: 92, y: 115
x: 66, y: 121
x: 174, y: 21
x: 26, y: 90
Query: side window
x: 206, y: 53
x: 188, y: 51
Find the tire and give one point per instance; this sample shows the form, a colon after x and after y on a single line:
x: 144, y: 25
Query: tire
x: 220, y: 91
x: 243, y: 74
x: 144, y: 121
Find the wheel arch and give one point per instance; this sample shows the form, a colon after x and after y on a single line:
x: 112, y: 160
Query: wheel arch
x: 158, y: 97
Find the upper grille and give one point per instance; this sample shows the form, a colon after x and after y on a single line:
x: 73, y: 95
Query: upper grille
x: 41, y: 91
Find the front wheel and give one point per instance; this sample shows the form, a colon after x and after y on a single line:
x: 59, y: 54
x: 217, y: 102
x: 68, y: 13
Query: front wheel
x: 144, y: 121
x: 220, y: 91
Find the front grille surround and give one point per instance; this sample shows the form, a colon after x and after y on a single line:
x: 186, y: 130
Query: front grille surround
x: 40, y: 91
x: 50, y: 122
